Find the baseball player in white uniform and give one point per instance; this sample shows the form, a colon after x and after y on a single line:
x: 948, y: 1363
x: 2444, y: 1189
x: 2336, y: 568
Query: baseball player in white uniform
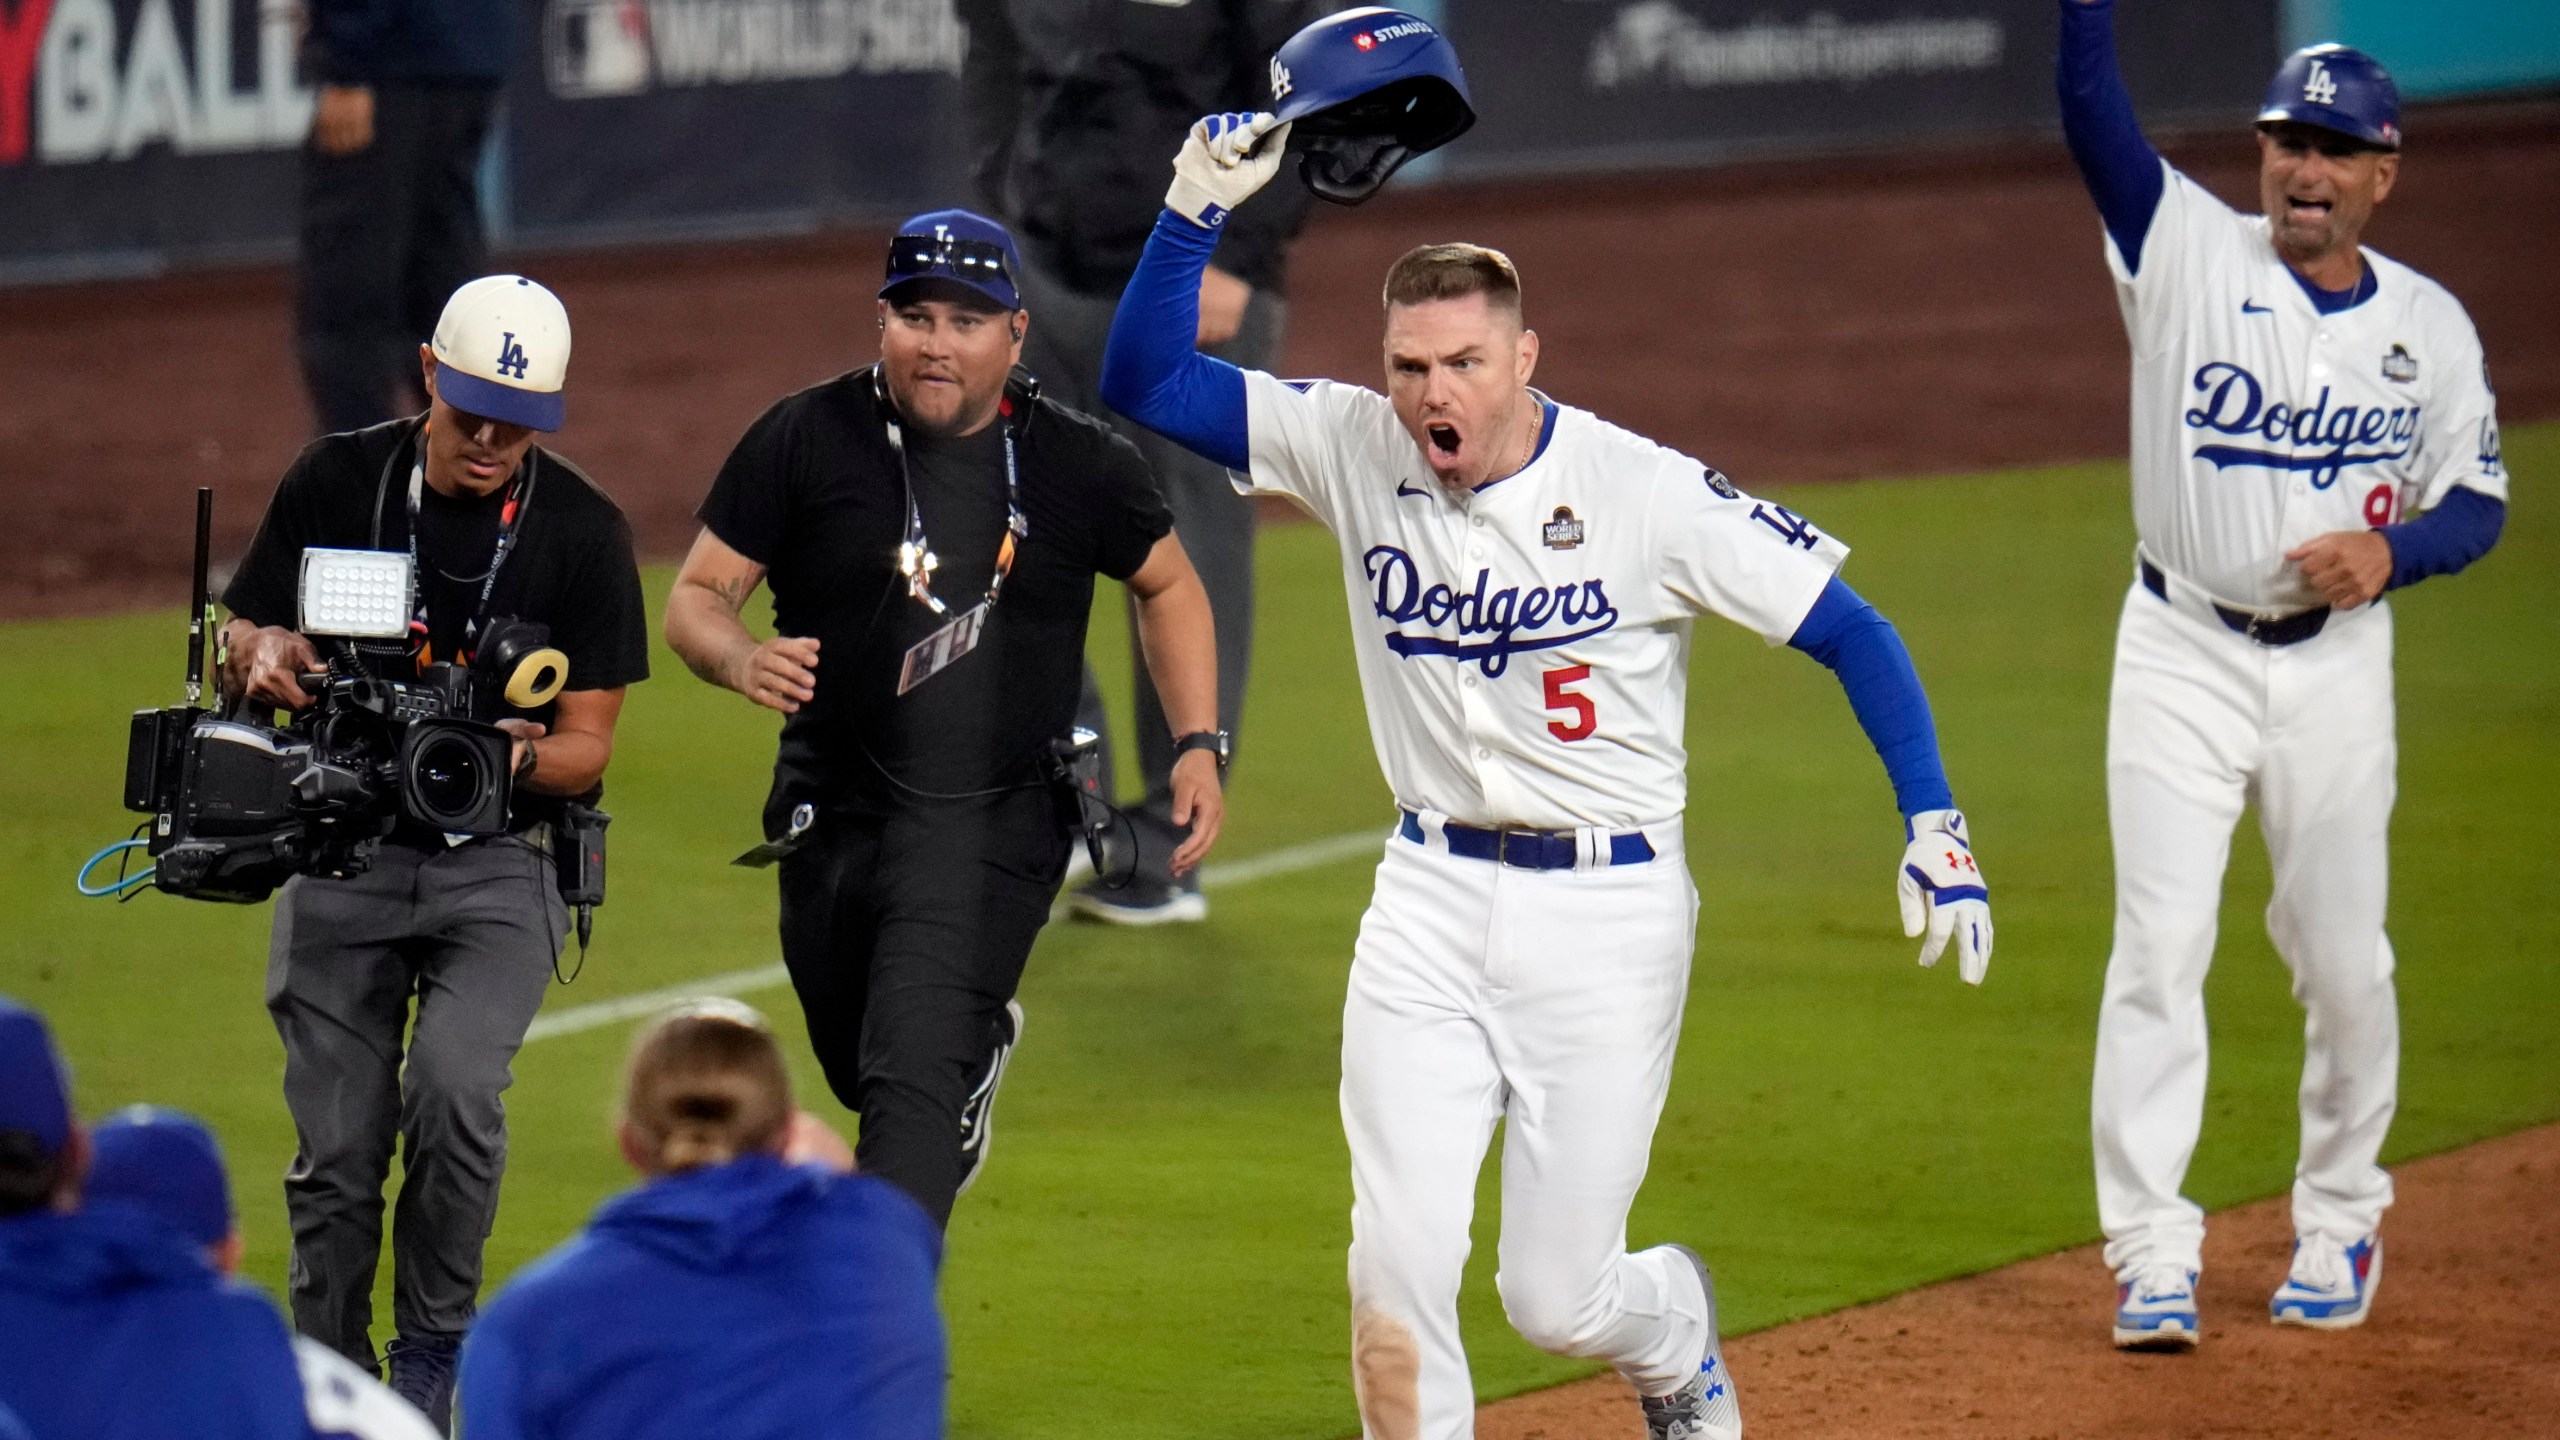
x: 1522, y: 578
x: 2295, y: 399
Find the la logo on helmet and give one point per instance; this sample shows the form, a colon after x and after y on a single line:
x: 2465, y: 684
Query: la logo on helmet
x: 2320, y: 88
x: 1281, y: 84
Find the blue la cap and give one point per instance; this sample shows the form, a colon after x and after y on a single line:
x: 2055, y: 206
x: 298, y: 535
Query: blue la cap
x: 166, y: 1162
x: 35, y: 1090
x: 2336, y: 87
x: 959, y: 246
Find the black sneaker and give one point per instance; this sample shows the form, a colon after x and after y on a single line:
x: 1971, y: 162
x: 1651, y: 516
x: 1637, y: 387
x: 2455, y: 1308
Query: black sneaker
x: 1140, y: 902
x: 422, y: 1374
x: 978, y: 1112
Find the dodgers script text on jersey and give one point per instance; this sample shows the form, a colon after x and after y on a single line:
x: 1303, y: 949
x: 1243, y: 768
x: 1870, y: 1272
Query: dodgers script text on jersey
x: 1525, y: 646
x: 2260, y: 423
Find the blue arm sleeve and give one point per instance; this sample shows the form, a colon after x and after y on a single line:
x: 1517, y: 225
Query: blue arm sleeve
x: 2446, y: 538
x: 1861, y: 646
x: 2119, y: 166
x: 1151, y: 371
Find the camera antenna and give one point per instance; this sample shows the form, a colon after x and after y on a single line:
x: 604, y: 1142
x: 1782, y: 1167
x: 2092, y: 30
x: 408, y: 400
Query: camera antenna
x: 198, y: 603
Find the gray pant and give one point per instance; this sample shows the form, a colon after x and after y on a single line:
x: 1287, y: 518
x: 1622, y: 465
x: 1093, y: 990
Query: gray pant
x: 1068, y: 332
x: 471, y: 934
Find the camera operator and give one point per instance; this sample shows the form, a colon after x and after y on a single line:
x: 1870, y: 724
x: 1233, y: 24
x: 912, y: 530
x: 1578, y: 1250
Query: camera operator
x: 932, y: 529
x: 499, y: 528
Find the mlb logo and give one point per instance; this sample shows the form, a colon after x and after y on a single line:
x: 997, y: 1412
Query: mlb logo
x: 1563, y: 532
x: 594, y: 48
x: 2400, y: 367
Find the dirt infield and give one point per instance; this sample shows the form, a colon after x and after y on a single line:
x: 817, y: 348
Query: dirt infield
x: 2464, y: 1343
x: 1795, y: 320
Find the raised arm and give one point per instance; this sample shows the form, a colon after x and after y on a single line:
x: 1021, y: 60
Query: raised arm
x: 1152, y: 371
x: 2121, y: 169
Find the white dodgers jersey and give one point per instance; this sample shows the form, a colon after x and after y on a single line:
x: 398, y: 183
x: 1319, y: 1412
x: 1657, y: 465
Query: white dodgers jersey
x: 2260, y: 423
x: 1525, y: 647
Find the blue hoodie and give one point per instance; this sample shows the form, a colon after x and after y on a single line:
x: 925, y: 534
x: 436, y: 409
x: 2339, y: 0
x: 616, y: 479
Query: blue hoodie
x: 112, y: 1324
x: 747, y: 1300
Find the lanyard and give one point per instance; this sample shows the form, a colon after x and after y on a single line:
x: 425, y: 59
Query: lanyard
x: 916, y: 560
x: 510, y: 521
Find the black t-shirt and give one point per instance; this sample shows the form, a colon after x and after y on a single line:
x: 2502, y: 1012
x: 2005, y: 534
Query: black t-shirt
x: 571, y: 567
x: 813, y: 493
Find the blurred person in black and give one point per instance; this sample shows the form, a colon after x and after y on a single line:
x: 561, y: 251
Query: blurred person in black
x: 499, y: 527
x: 390, y: 200
x: 932, y: 526
x: 1072, y: 106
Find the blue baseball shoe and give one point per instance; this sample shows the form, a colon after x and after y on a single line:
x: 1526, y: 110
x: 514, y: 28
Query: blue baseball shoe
x: 2331, y: 1285
x: 2156, y: 1309
x: 1705, y: 1408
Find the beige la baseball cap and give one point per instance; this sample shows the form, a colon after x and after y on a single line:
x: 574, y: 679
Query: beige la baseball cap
x: 502, y: 350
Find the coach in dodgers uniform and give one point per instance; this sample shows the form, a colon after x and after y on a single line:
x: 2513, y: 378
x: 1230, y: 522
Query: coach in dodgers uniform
x: 2295, y: 399
x: 1522, y: 580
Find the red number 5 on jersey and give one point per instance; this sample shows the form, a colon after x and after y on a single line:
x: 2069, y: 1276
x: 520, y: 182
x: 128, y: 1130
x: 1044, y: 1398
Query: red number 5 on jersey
x: 1586, y: 716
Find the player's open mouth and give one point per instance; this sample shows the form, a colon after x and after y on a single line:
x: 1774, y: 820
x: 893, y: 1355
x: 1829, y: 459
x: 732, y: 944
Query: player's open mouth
x: 1444, y: 439
x: 2308, y: 209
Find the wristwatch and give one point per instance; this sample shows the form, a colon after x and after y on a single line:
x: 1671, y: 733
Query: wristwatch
x: 1216, y: 742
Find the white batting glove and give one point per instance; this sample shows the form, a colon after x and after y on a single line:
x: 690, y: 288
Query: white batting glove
x: 1226, y: 159
x: 1942, y: 892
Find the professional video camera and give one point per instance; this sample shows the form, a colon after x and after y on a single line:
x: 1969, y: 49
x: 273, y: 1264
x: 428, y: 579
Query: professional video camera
x: 239, y: 805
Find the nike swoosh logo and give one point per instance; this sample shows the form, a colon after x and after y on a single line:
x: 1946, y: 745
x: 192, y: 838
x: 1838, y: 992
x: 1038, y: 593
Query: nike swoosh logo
x: 1403, y: 487
x: 2252, y: 307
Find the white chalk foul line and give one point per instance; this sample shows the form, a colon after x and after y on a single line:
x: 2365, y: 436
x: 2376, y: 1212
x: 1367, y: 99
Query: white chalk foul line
x: 1287, y: 860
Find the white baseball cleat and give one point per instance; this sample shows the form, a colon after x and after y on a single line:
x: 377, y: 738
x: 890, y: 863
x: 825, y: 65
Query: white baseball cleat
x: 1706, y: 1408
x: 2331, y: 1284
x: 2156, y: 1309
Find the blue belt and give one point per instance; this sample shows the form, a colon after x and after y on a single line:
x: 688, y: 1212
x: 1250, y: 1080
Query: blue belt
x: 1526, y: 849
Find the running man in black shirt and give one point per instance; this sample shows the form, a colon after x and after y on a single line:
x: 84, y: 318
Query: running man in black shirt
x: 500, y: 527
x: 931, y: 528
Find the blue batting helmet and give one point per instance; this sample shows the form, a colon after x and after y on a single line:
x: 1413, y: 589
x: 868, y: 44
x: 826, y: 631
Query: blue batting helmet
x: 2336, y: 87
x: 1364, y: 91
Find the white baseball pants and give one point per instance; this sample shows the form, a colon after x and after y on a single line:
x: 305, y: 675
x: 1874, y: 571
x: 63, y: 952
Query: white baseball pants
x: 1550, y: 1000
x: 2201, y: 721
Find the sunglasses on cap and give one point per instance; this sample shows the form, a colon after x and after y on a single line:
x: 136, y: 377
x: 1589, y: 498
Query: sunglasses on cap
x: 913, y: 257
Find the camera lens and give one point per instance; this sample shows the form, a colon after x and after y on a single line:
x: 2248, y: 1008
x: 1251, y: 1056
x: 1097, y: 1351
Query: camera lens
x: 449, y: 777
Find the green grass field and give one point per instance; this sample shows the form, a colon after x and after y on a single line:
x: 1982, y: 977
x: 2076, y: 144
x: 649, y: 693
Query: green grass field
x: 1157, y: 1249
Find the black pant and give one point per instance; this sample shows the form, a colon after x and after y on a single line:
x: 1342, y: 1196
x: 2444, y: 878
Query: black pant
x: 905, y: 936
x: 388, y: 234
x: 401, y: 996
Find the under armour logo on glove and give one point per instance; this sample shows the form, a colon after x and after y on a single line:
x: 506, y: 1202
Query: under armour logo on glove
x: 1943, y: 892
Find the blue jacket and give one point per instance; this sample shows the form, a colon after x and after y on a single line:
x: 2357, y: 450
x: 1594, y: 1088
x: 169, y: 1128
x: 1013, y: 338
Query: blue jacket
x: 752, y: 1301
x: 112, y: 1324
x: 436, y: 42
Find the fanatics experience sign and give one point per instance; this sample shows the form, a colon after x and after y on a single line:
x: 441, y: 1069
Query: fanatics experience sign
x: 1599, y: 84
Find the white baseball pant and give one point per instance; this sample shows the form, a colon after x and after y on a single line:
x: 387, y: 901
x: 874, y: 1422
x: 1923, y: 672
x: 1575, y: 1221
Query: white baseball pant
x: 2201, y: 721
x: 1549, y: 1000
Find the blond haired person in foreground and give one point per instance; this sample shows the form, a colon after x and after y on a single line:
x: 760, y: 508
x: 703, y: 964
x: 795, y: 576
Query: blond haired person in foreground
x: 749, y: 1287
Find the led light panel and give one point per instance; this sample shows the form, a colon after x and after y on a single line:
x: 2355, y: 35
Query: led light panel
x: 363, y: 594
